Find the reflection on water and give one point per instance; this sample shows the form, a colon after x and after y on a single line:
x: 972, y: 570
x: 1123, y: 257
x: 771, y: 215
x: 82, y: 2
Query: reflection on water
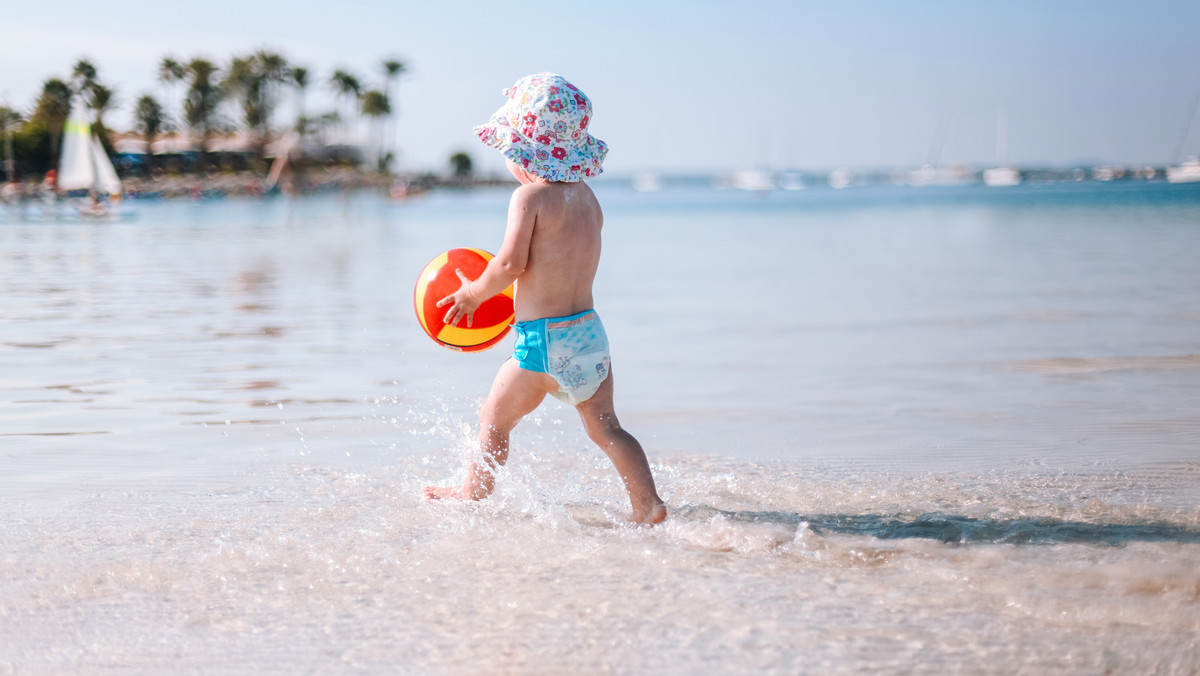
x: 896, y: 435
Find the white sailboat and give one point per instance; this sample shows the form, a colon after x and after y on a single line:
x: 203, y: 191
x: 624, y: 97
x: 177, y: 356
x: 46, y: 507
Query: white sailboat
x: 753, y: 180
x: 840, y: 178
x: 83, y: 164
x: 1187, y: 171
x: 1002, y: 176
x: 647, y: 182
x: 933, y: 173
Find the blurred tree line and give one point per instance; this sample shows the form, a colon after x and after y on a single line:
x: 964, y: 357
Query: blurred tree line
x: 204, y: 100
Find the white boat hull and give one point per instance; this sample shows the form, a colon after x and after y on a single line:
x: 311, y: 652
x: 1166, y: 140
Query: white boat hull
x: 1001, y: 177
x: 1188, y: 172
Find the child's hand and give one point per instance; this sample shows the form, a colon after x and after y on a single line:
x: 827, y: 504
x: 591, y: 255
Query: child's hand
x: 462, y: 303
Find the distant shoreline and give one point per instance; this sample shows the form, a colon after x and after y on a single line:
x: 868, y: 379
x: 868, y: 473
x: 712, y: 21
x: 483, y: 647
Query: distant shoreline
x: 218, y: 183
x: 247, y: 183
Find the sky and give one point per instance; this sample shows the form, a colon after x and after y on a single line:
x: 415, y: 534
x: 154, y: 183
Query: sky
x: 691, y: 86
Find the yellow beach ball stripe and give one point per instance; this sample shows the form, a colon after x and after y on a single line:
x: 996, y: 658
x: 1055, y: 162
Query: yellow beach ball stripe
x: 428, y: 274
x: 475, y: 335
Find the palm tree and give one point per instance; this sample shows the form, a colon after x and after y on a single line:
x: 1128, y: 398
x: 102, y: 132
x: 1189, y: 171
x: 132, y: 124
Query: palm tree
x: 274, y: 70
x: 243, y: 81
x: 462, y: 165
x: 51, y: 109
x: 375, y: 105
x: 83, y: 76
x: 392, y: 69
x: 200, y: 106
x: 98, y: 97
x: 85, y: 82
x: 170, y: 72
x: 346, y: 86
x: 101, y: 101
x: 150, y: 120
x: 300, y: 82
x: 272, y: 65
x: 9, y: 119
x: 253, y: 79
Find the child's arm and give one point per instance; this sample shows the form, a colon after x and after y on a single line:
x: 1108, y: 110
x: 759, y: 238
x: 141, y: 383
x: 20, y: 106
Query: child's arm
x: 502, y: 270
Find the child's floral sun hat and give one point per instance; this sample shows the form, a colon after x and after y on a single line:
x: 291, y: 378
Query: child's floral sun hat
x: 543, y: 128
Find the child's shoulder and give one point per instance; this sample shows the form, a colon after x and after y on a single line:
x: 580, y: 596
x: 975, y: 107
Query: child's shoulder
x: 540, y: 192
x: 526, y: 192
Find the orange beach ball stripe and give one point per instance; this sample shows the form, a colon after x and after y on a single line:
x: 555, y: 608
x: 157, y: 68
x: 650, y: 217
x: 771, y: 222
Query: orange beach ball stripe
x: 492, y: 320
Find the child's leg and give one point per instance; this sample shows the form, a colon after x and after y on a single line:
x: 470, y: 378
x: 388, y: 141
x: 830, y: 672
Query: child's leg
x: 515, y: 393
x: 626, y: 453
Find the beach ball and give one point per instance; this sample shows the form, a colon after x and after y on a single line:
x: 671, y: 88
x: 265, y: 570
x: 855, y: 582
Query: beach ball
x: 492, y: 320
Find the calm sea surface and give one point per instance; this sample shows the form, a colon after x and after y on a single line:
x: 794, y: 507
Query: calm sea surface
x: 899, y: 430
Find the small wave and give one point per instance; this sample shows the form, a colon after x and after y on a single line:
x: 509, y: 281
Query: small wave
x: 946, y: 528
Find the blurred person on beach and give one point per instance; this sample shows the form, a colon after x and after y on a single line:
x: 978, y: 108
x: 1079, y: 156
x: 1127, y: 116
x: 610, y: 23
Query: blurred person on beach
x: 551, y: 251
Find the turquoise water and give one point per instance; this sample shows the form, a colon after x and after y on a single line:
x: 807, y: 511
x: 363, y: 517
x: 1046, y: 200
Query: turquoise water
x: 898, y: 429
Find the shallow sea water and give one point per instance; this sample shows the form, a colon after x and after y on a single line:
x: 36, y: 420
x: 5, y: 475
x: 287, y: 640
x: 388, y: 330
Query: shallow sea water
x: 899, y: 431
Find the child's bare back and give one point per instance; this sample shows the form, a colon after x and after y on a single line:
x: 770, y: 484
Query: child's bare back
x: 564, y: 251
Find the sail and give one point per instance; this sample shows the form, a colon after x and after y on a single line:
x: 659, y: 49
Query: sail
x: 76, y: 171
x: 83, y: 164
x: 106, y: 174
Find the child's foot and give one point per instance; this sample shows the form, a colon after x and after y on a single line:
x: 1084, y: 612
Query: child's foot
x: 445, y: 493
x: 651, y: 516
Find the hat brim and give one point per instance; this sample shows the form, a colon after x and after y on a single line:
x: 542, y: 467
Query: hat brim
x: 577, y: 160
